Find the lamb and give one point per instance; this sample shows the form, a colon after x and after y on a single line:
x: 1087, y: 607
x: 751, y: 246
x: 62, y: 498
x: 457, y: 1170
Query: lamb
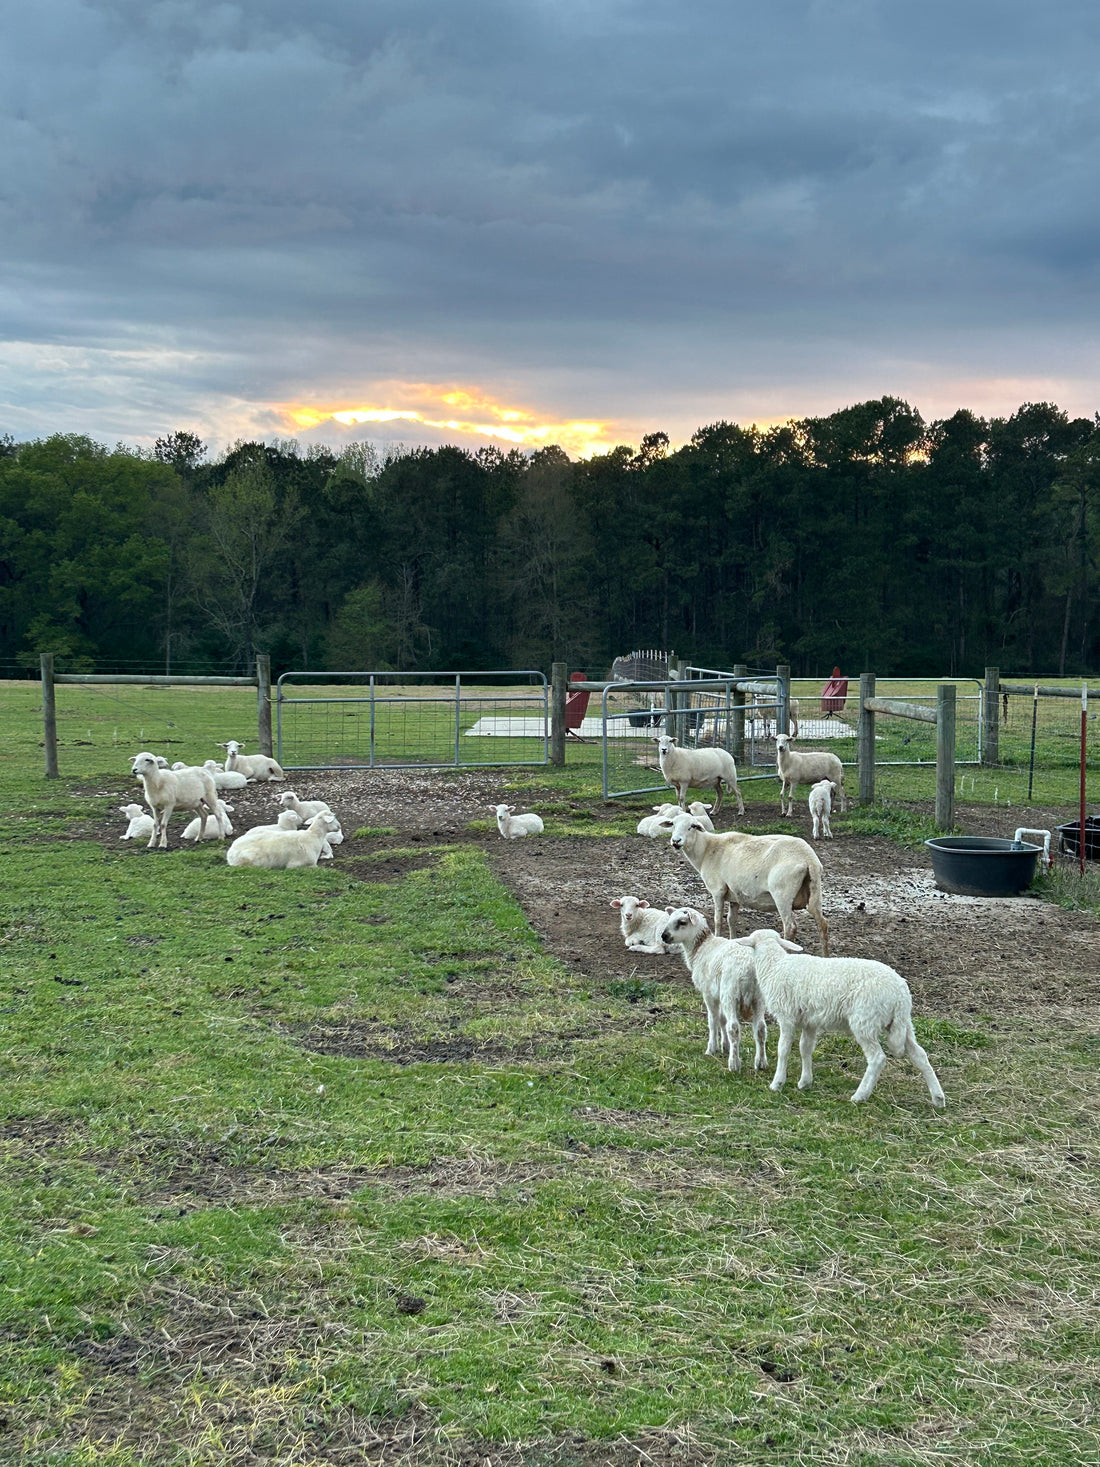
x: 307, y: 809
x: 253, y: 766
x: 231, y: 779
x: 641, y: 925
x: 728, y: 984
x: 512, y: 826
x: 795, y: 769
x: 222, y: 826
x: 661, y: 821
x: 282, y: 850
x: 779, y: 873
x: 855, y: 996
x: 698, y: 768
x: 167, y: 790
x: 141, y: 823
x: 821, y: 807
x: 291, y: 820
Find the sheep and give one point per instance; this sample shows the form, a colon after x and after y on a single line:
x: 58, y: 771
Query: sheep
x: 727, y: 982
x: 821, y: 807
x: 641, y: 925
x: 231, y: 779
x: 512, y: 826
x: 855, y: 996
x: 795, y: 769
x: 165, y: 790
x: 141, y: 823
x: 283, y: 849
x: 307, y: 809
x: 771, y: 872
x: 223, y: 826
x: 661, y: 820
x: 253, y: 766
x: 291, y: 820
x: 701, y: 768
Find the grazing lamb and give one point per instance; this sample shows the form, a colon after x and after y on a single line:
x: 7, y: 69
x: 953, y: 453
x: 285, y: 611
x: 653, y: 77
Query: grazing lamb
x: 727, y: 983
x: 685, y: 769
x: 167, y: 790
x: 231, y: 779
x: 641, y: 925
x: 512, y: 826
x: 253, y: 766
x: 660, y: 822
x: 795, y: 769
x: 282, y: 850
x: 779, y: 873
x: 855, y: 996
x: 307, y: 809
x: 821, y: 807
x: 141, y: 823
x: 222, y: 826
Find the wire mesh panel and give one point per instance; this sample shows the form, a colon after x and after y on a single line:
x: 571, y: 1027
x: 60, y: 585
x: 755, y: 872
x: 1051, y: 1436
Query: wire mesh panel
x: 907, y: 741
x: 104, y: 724
x: 412, y: 720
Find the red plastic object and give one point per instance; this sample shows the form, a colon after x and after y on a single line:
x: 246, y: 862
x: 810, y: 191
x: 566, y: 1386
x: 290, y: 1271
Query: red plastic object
x: 834, y: 694
x: 576, y: 706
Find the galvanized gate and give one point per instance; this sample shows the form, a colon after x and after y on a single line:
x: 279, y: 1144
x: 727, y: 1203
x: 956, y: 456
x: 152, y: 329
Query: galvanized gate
x: 412, y: 720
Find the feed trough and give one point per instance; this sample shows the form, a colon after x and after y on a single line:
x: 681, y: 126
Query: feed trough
x: 983, y: 865
x: 1070, y: 838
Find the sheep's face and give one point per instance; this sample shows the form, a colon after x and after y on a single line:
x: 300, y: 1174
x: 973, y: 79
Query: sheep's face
x: 628, y: 905
x: 665, y: 745
x: 680, y: 828
x: 143, y: 764
x: 684, y: 925
x: 782, y: 743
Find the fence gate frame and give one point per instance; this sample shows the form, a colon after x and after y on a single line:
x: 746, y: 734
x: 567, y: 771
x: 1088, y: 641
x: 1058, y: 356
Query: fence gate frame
x: 943, y: 716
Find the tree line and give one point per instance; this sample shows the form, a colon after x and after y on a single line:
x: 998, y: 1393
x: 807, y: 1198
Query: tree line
x: 866, y: 538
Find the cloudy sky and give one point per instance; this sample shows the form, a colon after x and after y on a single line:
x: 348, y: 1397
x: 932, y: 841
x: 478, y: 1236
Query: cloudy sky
x: 529, y: 221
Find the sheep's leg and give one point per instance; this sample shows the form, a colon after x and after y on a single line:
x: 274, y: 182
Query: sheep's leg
x: 826, y: 827
x: 714, y: 1027
x: 876, y: 1059
x: 843, y: 797
x: 681, y: 793
x: 807, y: 1040
x: 156, y: 829
x: 719, y: 790
x: 783, y: 1053
x: 916, y: 1056
x: 760, y: 1036
x: 733, y: 1030
x: 817, y: 826
x: 737, y: 791
x: 164, y: 814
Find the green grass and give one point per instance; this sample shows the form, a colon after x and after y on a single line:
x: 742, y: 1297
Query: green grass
x: 304, y: 1168
x: 1065, y: 885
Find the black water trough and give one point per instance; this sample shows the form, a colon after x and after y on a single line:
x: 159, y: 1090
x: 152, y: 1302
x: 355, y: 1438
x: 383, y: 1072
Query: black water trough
x: 1070, y: 838
x: 983, y: 865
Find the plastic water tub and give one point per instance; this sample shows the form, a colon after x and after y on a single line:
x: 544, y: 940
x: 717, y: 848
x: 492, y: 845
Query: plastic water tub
x: 983, y: 865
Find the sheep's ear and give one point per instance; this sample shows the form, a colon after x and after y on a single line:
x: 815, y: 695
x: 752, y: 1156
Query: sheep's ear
x: 790, y: 947
x: 698, y: 825
x: 616, y: 902
x: 643, y: 903
x: 670, y: 910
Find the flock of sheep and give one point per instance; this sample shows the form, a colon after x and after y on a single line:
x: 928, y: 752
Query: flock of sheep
x: 740, y: 979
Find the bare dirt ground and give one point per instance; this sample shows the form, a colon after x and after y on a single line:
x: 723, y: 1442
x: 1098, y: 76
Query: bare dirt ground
x: 960, y: 955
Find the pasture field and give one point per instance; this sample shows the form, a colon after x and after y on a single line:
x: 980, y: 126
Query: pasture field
x: 405, y: 1160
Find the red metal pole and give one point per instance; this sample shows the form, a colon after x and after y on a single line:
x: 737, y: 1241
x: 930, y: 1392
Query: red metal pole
x: 1084, y: 738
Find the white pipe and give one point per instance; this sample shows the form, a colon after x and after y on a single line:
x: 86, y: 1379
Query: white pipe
x: 1024, y: 830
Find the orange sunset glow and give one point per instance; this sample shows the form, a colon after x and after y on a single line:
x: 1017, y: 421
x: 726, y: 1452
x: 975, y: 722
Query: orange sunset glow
x: 461, y: 410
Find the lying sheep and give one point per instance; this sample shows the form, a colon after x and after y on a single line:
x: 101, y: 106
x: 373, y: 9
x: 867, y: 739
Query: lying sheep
x: 821, y: 807
x: 307, y: 809
x: 291, y: 820
x: 660, y: 822
x: 513, y: 826
x: 167, y: 790
x: 795, y: 769
x: 779, y: 873
x: 224, y: 779
x: 282, y: 850
x: 259, y: 767
x: 141, y: 822
x: 727, y: 982
x: 641, y: 925
x: 685, y: 769
x: 218, y: 831
x: 855, y: 996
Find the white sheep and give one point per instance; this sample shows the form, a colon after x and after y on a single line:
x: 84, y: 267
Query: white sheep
x: 641, y: 925
x: 224, y: 779
x: 779, y: 873
x: 660, y: 822
x: 726, y: 981
x: 513, y: 826
x: 795, y: 769
x: 222, y: 826
x: 685, y: 769
x: 167, y: 790
x: 253, y: 766
x: 282, y: 849
x: 291, y: 820
x: 855, y: 996
x: 307, y: 809
x: 141, y: 823
x: 821, y: 807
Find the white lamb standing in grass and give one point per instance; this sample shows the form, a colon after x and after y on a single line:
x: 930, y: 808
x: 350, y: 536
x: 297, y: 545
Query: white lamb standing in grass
x: 856, y: 996
x: 660, y: 822
x: 641, y: 925
x: 821, y: 807
x: 141, y: 822
x: 513, y: 826
x: 167, y: 790
x: 727, y: 982
x: 283, y: 850
x: 222, y: 827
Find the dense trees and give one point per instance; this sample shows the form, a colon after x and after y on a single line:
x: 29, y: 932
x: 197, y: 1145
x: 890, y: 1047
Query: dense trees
x: 865, y: 537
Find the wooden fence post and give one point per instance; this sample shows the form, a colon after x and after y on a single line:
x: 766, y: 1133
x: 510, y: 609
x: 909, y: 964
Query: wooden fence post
x: 558, y: 677
x: 49, y: 715
x: 263, y: 702
x: 783, y: 697
x: 737, y: 715
x: 945, y: 756
x: 865, y: 740
x: 991, y: 716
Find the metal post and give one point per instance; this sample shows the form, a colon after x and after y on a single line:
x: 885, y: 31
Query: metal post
x: 991, y: 716
x: 783, y: 695
x: 865, y: 740
x: 49, y: 715
x: 263, y: 702
x: 678, y: 700
x: 945, y: 756
x: 1084, y: 747
x: 458, y: 719
x: 1031, y: 760
x: 558, y: 677
x: 737, y: 748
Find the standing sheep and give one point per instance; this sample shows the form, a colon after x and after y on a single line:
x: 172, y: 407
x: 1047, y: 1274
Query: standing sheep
x: 821, y: 807
x: 165, y: 791
x: 686, y: 769
x: 727, y: 982
x: 795, y: 769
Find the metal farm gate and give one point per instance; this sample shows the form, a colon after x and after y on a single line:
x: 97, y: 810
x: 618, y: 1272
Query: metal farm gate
x: 412, y: 720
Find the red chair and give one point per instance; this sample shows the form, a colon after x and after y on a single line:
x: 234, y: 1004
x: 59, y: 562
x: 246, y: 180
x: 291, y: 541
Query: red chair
x: 834, y: 694
x: 576, y: 706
